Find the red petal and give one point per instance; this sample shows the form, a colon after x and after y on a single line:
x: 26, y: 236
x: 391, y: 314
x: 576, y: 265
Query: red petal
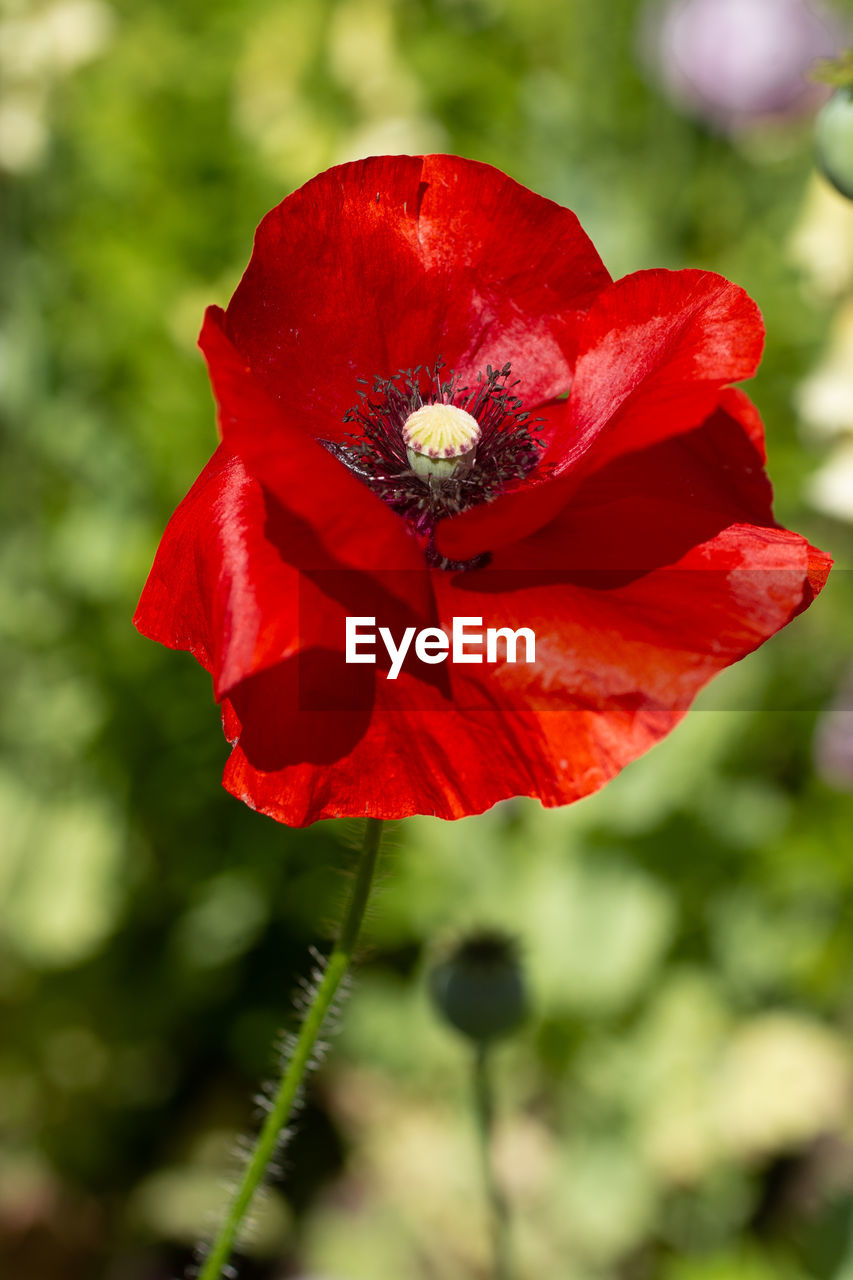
x: 218, y: 586
x: 655, y: 351
x: 225, y: 583
x: 407, y: 750
x: 652, y: 506
x: 665, y: 570
x: 345, y: 524
x: 387, y: 762
x: 739, y: 406
x: 656, y: 348
x: 627, y: 640
x: 392, y: 262
x: 666, y: 567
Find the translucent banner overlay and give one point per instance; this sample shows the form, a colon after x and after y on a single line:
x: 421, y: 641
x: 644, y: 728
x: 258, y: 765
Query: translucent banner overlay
x: 625, y: 641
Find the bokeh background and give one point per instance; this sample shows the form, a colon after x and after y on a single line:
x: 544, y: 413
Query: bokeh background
x: 680, y: 1104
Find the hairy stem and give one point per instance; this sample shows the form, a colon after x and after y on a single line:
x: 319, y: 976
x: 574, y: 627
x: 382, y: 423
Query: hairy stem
x: 498, y: 1208
x: 288, y: 1090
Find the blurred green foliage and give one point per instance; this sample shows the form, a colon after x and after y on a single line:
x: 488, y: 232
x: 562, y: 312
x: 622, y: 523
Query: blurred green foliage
x: 679, y: 1107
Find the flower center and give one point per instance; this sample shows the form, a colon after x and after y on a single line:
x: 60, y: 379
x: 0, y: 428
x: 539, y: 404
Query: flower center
x: 441, y: 440
x: 431, y: 447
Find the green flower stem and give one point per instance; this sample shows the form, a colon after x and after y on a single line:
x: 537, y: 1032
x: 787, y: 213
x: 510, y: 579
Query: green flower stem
x: 498, y: 1207
x: 339, y: 961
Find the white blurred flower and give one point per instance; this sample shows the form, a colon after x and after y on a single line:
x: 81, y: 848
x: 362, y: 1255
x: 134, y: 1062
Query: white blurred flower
x: 359, y: 49
x: 42, y: 40
x: 782, y: 1081
x: 830, y: 489
x: 825, y: 404
x: 825, y: 397
x: 180, y: 1202
x: 711, y: 1091
x: 822, y: 241
x: 23, y: 131
x: 38, y: 45
x: 732, y: 62
x: 398, y: 135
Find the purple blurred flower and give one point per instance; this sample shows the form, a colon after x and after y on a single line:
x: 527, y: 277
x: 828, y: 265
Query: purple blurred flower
x: 833, y: 740
x: 732, y: 62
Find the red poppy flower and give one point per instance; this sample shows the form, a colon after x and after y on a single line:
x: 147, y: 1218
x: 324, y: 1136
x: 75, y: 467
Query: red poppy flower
x: 627, y: 525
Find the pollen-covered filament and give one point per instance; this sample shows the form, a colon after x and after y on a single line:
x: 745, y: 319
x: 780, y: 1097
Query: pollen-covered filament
x: 441, y: 440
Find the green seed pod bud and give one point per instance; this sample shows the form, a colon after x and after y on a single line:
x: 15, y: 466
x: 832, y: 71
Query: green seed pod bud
x: 834, y: 140
x: 480, y: 988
